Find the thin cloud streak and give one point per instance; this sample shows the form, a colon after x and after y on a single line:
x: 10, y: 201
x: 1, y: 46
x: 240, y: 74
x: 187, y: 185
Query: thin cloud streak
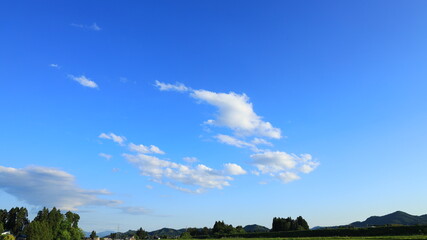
x: 84, y: 81
x: 93, y: 26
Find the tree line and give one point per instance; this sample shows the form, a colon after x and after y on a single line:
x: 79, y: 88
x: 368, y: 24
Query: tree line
x: 289, y: 224
x: 48, y: 224
x: 220, y: 229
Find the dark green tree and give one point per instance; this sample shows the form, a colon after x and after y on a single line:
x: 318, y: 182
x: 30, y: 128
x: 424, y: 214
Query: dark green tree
x: 93, y: 235
x: 3, y: 217
x: 42, y: 215
x: 205, y: 231
x: 1, y: 227
x: 73, y: 219
x: 76, y: 233
x: 185, y: 235
x: 239, y: 230
x: 288, y: 224
x: 220, y: 228
x: 141, y: 233
x: 302, y: 223
x: 17, y: 220
x: 55, y: 219
x: 62, y: 227
x: 39, y: 230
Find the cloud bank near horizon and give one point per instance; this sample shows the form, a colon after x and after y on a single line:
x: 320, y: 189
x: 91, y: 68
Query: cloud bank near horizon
x: 50, y: 187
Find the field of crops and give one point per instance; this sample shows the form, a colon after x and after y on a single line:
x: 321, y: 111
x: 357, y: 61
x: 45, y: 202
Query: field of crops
x: 413, y: 237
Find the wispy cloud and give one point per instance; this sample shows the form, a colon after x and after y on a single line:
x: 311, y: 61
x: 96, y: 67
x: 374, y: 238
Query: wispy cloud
x: 229, y: 140
x: 93, y: 26
x: 115, y: 138
x: 287, y: 177
x: 84, y: 81
x: 191, y: 179
x: 134, y: 210
x: 53, y: 65
x: 190, y: 159
x: 42, y: 186
x: 260, y: 141
x: 178, y: 87
x: 180, y: 176
x: 145, y: 149
x: 106, y: 156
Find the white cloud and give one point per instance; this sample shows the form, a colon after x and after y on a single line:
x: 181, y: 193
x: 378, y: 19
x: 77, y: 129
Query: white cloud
x: 155, y: 149
x: 54, y: 65
x: 307, y: 168
x: 308, y: 165
x: 41, y: 186
x: 93, y: 26
x: 287, y: 177
x: 179, y: 87
x: 236, y: 112
x: 233, y: 141
x: 145, y: 149
x: 111, y: 136
x: 283, y: 165
x: 234, y: 169
x: 106, y: 156
x: 272, y: 162
x: 177, y: 175
x: 260, y: 141
x: 190, y: 159
x: 84, y: 81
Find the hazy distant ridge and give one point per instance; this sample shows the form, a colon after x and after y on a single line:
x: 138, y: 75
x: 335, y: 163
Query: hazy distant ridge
x: 398, y: 217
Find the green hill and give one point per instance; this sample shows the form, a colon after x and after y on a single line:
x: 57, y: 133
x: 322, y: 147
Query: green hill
x: 255, y: 228
x: 396, y: 218
x: 167, y: 232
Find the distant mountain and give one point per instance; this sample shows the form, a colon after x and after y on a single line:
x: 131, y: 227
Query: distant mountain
x: 103, y: 234
x: 167, y: 232
x: 398, y: 218
x: 100, y: 234
x: 317, y: 228
x: 255, y: 228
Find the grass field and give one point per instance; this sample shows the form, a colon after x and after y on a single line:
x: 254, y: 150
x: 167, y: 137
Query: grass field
x: 413, y: 237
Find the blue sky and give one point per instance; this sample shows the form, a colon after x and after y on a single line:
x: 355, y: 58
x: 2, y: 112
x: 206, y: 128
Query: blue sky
x: 180, y: 113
